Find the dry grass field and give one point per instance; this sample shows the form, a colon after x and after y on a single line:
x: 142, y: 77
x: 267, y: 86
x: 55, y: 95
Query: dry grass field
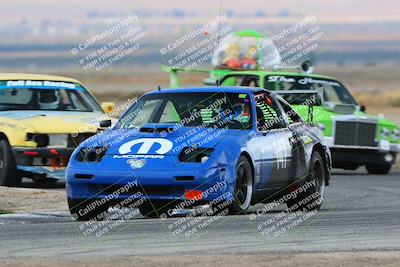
x: 373, y: 86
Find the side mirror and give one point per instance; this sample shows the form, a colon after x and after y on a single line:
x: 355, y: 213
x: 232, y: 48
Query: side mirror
x: 105, y: 123
x: 211, y: 82
x: 363, y: 108
x: 108, y: 107
x: 306, y: 67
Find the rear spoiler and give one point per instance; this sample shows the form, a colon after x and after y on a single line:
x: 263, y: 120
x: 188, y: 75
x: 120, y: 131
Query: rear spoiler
x: 318, y: 93
x: 173, y: 74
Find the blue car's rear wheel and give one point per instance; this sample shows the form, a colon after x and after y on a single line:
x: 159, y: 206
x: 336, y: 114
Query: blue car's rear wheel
x: 312, y: 197
x: 243, y: 190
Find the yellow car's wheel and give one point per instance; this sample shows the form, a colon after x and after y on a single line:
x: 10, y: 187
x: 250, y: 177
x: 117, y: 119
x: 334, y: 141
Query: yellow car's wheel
x: 9, y: 175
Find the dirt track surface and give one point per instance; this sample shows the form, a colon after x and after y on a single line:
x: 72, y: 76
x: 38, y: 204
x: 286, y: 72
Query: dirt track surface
x: 357, y: 226
x: 348, y: 259
x: 33, y: 199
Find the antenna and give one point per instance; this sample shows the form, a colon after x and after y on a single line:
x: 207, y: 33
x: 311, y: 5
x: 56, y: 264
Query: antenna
x: 219, y: 37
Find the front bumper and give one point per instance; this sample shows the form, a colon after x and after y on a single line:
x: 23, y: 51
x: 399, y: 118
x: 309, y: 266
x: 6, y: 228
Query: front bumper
x: 349, y: 157
x: 167, y: 185
x: 42, y: 161
x: 382, y: 146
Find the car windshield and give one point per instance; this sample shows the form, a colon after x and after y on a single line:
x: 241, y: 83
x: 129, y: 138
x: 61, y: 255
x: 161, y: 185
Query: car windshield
x: 26, y: 97
x: 208, y: 109
x: 333, y: 90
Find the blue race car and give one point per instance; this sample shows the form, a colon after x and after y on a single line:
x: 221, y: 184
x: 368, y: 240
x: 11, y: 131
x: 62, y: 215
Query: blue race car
x: 230, y: 147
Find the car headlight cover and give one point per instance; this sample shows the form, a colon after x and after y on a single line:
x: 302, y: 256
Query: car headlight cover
x: 385, y: 133
x: 192, y: 154
x: 41, y: 140
x: 396, y: 134
x: 94, y: 154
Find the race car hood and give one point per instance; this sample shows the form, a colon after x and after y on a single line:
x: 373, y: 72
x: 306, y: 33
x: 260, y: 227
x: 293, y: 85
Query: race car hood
x: 158, y: 140
x: 54, y: 121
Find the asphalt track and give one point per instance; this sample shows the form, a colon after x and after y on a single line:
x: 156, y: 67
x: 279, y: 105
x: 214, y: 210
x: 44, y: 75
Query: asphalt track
x: 361, y: 212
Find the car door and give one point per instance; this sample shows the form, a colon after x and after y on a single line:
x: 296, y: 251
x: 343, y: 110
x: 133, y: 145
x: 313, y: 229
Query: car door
x: 299, y: 140
x: 272, y: 143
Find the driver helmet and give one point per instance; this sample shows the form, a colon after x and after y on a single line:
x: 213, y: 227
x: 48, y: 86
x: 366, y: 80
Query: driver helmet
x: 49, y: 99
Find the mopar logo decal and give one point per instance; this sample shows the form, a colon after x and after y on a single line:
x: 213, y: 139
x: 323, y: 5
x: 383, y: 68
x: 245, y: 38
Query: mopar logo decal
x: 163, y: 145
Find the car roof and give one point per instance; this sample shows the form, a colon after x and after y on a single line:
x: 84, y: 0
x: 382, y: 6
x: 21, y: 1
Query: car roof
x: 35, y: 77
x: 277, y: 73
x: 206, y: 89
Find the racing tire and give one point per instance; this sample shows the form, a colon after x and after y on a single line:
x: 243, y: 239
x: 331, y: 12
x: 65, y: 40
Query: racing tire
x: 312, y: 198
x: 378, y: 168
x: 9, y: 175
x: 81, y: 210
x: 243, y: 191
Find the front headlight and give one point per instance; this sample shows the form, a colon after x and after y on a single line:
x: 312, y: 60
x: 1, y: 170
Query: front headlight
x: 51, y: 140
x: 41, y: 140
x: 91, y: 154
x: 396, y: 134
x: 385, y: 133
x: 191, y: 154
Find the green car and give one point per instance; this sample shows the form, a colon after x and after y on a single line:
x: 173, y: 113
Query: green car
x: 355, y: 138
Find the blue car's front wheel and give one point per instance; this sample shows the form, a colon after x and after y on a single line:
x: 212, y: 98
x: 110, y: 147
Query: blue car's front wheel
x: 243, y: 190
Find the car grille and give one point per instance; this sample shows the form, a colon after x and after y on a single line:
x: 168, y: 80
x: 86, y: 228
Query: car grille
x: 355, y: 133
x: 75, y: 139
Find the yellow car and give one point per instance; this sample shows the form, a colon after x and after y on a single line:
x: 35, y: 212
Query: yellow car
x: 42, y: 119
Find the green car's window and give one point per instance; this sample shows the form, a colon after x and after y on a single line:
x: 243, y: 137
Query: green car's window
x: 169, y: 114
x: 240, y: 80
x: 232, y: 110
x: 333, y: 90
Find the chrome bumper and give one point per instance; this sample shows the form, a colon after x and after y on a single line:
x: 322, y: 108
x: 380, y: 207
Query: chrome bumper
x: 383, y: 146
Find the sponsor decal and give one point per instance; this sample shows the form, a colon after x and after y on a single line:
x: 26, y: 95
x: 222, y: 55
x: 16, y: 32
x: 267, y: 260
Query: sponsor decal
x: 281, y: 79
x: 306, y: 80
x: 41, y: 83
x: 138, y: 156
x: 164, y: 146
x: 136, y: 163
